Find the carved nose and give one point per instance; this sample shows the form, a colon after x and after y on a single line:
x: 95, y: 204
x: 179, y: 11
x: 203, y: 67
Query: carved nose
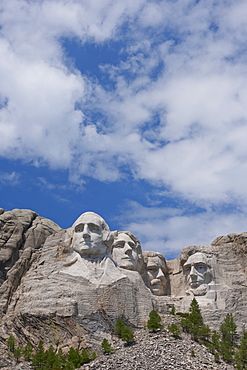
x: 127, y: 248
x: 160, y: 274
x: 86, y: 231
x: 193, y: 271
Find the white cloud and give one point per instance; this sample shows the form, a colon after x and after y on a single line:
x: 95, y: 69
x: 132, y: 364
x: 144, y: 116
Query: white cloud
x: 168, y: 230
x: 176, y: 115
x: 9, y: 178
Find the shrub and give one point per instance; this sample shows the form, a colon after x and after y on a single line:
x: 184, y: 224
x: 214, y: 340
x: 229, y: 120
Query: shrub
x: 17, y: 353
x: 11, y: 343
x: 174, y: 330
x: 27, y: 351
x: 124, y: 331
x: 154, y: 322
x: 106, y: 346
x: 173, y: 310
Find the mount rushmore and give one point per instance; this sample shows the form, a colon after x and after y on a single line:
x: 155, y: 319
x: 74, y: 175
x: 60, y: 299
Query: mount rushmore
x: 61, y: 284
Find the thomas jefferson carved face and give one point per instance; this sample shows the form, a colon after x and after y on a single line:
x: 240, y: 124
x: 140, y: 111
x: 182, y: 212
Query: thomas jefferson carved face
x: 90, y: 234
x: 197, y: 270
x: 125, y: 252
x: 156, y: 270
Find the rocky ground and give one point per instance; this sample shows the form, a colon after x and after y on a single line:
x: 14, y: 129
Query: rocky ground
x: 150, y: 351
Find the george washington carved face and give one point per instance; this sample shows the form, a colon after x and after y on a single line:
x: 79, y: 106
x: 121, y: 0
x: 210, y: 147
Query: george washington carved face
x: 90, y: 233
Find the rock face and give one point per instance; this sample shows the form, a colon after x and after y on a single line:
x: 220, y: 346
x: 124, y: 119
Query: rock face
x: 22, y: 234
x: 216, y: 276
x: 62, y: 284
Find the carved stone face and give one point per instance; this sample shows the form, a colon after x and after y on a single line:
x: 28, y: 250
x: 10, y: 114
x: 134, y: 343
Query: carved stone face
x: 197, y: 270
x: 125, y: 252
x: 156, y: 270
x: 89, y: 235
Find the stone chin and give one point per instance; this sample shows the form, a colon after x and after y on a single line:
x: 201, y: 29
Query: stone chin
x: 127, y: 264
x: 157, y: 288
x: 200, y: 290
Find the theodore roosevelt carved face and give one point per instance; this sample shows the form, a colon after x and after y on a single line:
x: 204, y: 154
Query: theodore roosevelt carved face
x: 126, y: 250
x: 156, y: 268
x: 90, y: 236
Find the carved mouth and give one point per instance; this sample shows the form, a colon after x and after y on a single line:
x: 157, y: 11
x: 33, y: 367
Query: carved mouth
x: 194, y: 284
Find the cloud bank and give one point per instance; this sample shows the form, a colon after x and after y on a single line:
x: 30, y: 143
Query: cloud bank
x: 171, y: 112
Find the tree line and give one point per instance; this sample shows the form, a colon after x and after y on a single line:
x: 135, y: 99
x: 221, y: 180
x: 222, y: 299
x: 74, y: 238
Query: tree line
x: 225, y: 344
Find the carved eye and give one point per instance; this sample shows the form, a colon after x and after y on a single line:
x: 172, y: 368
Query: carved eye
x: 94, y: 227
x: 79, y: 229
x: 200, y: 268
x: 118, y: 245
x: 187, y: 269
x: 132, y: 245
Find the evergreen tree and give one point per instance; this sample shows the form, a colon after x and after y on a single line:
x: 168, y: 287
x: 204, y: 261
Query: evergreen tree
x: 119, y: 326
x: 27, y: 351
x: 228, y: 329
x: 195, y: 320
x: 241, y: 353
x: 38, y: 359
x: 216, y: 341
x: 173, y: 310
x: 85, y: 356
x: 127, y: 335
x: 204, y: 332
x: 11, y: 343
x: 74, y: 357
x: 154, y: 322
x: 106, y: 346
x: 49, y: 357
x: 17, y: 353
x: 124, y: 331
x: 174, y: 330
x: 69, y: 365
x: 228, y: 334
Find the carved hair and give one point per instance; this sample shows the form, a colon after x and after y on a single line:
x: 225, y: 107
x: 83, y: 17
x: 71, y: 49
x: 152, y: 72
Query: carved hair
x: 152, y: 254
x: 102, y: 221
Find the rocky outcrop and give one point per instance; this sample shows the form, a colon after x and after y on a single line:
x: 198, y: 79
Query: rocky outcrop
x: 62, y: 284
x: 221, y: 286
x: 150, y: 351
x: 22, y: 234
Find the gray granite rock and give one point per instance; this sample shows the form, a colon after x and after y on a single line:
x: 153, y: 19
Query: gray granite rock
x: 22, y: 232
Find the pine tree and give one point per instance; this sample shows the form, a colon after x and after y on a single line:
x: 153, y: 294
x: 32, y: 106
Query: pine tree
x: 173, y: 310
x: 49, y: 357
x: 119, y: 326
x: 85, y: 356
x: 69, y: 365
x: 11, y: 343
x: 27, y: 351
x: 195, y: 319
x: 39, y: 358
x: 174, y: 330
x: 228, y: 334
x: 204, y: 332
x: 127, y: 335
x: 17, y: 353
x: 74, y: 357
x: 216, y: 341
x: 241, y: 353
x: 106, y: 346
x: 124, y: 331
x: 154, y: 322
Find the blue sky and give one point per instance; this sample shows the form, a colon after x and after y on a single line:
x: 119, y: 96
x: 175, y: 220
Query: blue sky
x: 135, y: 110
